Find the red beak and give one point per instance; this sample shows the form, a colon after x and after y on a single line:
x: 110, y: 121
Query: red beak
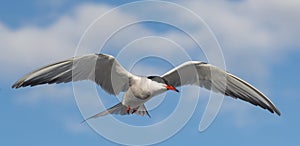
x: 171, y: 88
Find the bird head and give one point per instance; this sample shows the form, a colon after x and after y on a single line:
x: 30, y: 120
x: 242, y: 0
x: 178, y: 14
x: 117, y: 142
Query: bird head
x: 163, y: 81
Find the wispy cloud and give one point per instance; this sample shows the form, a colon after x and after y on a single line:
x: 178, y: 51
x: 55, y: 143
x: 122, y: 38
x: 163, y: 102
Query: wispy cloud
x: 48, y: 93
x: 253, y: 34
x: 34, y: 46
x: 260, y: 34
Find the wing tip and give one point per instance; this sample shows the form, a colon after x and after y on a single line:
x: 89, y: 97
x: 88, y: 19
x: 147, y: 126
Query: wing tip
x: 22, y: 83
x: 277, y: 112
x: 17, y: 85
x: 273, y: 110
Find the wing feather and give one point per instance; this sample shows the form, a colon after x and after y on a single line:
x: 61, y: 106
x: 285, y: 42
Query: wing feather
x: 218, y: 80
x: 100, y: 68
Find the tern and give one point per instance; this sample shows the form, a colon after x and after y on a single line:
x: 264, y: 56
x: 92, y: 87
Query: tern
x: 107, y: 72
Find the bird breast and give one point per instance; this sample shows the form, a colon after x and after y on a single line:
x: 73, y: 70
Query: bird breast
x: 144, y: 88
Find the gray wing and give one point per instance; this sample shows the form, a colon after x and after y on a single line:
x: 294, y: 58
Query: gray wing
x: 216, y: 79
x: 100, y: 68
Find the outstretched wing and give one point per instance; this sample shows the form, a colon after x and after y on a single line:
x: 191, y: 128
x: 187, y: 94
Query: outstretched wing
x: 216, y: 79
x: 100, y: 68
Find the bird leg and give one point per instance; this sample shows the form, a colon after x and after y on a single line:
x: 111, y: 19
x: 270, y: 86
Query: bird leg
x: 128, y: 109
x: 134, y: 110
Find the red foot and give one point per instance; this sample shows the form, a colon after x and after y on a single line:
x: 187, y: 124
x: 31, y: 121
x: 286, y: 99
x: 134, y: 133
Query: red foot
x: 128, y: 109
x: 134, y: 110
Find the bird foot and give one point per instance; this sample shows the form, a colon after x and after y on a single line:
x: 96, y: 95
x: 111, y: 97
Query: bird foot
x: 128, y: 109
x: 134, y: 110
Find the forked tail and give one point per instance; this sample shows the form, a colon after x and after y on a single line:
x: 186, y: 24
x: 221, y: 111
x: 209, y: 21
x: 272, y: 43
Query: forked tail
x: 120, y: 109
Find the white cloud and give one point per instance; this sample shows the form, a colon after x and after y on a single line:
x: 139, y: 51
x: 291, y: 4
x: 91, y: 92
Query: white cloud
x: 252, y: 33
x: 36, y: 45
x: 48, y: 93
x: 29, y: 47
x: 246, y: 30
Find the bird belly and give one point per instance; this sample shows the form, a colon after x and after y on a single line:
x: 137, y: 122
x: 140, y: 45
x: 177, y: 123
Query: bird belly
x: 133, y: 100
x: 141, y: 91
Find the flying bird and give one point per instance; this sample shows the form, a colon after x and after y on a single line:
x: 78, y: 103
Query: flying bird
x: 108, y: 73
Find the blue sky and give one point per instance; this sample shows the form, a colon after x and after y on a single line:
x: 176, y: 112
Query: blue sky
x: 259, y: 40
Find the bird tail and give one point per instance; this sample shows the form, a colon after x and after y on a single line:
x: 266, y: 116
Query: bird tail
x: 121, y: 109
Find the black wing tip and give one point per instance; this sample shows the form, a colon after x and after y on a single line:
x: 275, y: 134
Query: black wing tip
x: 273, y: 110
x: 17, y: 85
x: 277, y: 112
x: 22, y: 84
x: 14, y: 86
x: 147, y: 113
